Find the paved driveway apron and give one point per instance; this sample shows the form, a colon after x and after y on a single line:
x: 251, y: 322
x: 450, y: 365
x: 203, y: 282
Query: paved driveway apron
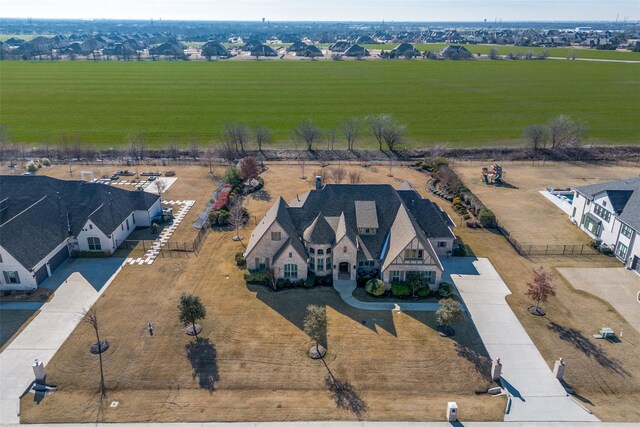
x: 40, y: 340
x: 536, y: 395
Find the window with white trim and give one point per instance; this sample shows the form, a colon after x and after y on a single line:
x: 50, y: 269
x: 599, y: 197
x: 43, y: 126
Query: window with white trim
x: 621, y: 250
x: 290, y: 271
x: 11, y: 277
x: 413, y: 253
x: 626, y: 231
x: 94, y: 244
x: 602, y: 213
x: 442, y: 244
x: 396, y: 276
x: 276, y: 235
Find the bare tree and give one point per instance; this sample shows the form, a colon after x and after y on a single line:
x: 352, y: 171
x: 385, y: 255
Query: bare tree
x: 331, y: 138
x: 355, y: 177
x: 161, y: 186
x: 302, y: 163
x: 308, y: 133
x: 564, y: 132
x: 365, y: 159
x: 351, y: 131
x: 209, y: 155
x: 90, y: 317
x: 237, y: 134
x: 173, y: 152
x: 263, y: 136
x: 4, y: 142
x: 393, y: 135
x: 323, y: 173
x: 377, y: 124
x: 227, y: 151
x: 338, y: 174
x: 237, y: 215
x: 194, y: 149
x: 493, y: 53
x: 536, y: 136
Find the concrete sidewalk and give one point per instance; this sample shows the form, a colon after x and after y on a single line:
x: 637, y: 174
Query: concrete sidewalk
x: 535, y: 394
x: 346, y: 287
x: 347, y: 424
x: 41, y: 339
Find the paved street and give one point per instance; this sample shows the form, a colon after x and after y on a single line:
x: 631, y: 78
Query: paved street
x: 536, y: 395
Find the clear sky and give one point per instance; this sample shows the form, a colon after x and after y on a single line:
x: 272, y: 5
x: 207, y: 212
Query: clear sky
x: 327, y: 10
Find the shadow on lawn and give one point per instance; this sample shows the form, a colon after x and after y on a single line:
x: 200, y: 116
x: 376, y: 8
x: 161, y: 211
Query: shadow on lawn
x: 478, y: 356
x: 344, y: 394
x: 262, y: 195
x: 589, y: 348
x: 202, y: 355
x: 292, y: 305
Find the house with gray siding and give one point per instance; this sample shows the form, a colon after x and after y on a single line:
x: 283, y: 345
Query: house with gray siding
x: 610, y: 214
x: 43, y: 220
x: 345, y: 230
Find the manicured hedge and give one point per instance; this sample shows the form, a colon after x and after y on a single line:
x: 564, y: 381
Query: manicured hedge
x: 400, y: 289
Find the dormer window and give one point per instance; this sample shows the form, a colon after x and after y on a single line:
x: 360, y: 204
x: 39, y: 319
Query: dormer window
x: 604, y: 203
x: 312, y: 251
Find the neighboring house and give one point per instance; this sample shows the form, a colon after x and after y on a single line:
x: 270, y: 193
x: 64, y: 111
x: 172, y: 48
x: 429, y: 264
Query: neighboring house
x: 263, y: 50
x: 340, y: 46
x: 311, y: 51
x: 214, y: 49
x: 455, y: 52
x: 345, y: 230
x: 43, y: 219
x: 356, y: 51
x: 610, y: 213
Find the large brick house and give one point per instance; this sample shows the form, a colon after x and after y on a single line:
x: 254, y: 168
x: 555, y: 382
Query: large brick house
x: 342, y: 230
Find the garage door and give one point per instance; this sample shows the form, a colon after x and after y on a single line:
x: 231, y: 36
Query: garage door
x: 59, y: 258
x: 41, y: 274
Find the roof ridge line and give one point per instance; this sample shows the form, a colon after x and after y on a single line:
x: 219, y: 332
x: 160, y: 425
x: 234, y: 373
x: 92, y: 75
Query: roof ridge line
x: 24, y: 210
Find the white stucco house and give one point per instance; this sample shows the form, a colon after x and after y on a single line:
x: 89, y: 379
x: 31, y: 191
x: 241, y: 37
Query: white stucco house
x: 343, y: 230
x: 610, y: 213
x: 43, y: 220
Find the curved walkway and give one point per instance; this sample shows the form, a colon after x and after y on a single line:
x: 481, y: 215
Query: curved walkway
x: 346, y: 287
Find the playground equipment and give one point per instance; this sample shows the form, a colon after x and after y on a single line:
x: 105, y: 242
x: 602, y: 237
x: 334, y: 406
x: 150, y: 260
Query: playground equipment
x: 493, y: 175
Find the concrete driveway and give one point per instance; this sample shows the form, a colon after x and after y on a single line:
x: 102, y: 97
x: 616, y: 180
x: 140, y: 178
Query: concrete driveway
x: 46, y: 333
x: 617, y: 286
x: 534, y: 393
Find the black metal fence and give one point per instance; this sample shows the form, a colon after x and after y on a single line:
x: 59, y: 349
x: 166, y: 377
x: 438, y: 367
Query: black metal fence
x: 551, y: 249
x: 138, y: 248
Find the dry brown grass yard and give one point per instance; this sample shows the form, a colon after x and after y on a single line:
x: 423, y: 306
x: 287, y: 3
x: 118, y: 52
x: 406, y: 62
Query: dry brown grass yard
x: 398, y: 367
x: 605, y: 375
x: 251, y: 363
x: 531, y: 218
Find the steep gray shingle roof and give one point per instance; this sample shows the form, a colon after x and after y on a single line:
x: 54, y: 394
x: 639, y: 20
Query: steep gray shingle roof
x: 319, y: 232
x: 626, y: 194
x: 41, y: 212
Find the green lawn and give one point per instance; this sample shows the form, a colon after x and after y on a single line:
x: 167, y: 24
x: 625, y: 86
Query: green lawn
x: 464, y: 103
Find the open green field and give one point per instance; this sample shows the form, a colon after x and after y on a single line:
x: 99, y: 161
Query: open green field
x: 559, y: 52
x: 463, y: 103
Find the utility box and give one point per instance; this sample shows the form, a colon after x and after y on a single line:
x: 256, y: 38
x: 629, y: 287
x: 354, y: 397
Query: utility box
x: 38, y: 371
x: 452, y: 412
x: 496, y: 370
x: 558, y: 368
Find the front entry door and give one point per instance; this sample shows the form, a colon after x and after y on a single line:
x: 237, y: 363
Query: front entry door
x: 343, y: 271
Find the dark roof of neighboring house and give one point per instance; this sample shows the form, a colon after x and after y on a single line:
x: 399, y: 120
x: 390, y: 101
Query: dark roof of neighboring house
x: 312, y: 51
x: 171, y: 48
x: 340, y: 46
x: 297, y: 47
x: 38, y: 212
x: 624, y: 196
x: 459, y: 50
x: 263, y: 50
x: 356, y: 50
x: 213, y: 48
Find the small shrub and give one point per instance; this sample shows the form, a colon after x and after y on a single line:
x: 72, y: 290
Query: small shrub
x: 240, y: 261
x: 487, y: 218
x: 466, y: 216
x: 459, y: 250
x: 457, y: 200
x: 32, y: 167
x: 246, y: 274
x: 45, y: 162
x: 223, y: 218
x: 400, y: 289
x: 445, y: 289
x: 423, y: 292
x: 375, y: 287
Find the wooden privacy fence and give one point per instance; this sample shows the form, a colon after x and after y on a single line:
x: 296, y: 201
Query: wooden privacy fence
x: 550, y: 249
